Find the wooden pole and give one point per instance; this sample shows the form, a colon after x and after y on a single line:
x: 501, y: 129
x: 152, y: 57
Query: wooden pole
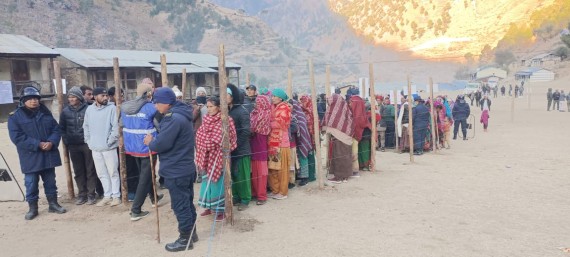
x: 327, y: 135
x: 373, y: 105
x: 247, y: 82
x: 67, y: 167
x: 396, y: 119
x: 319, y: 168
x: 153, y: 170
x: 184, y: 84
x: 290, y: 83
x: 328, y: 81
x: 433, y: 119
x: 411, y: 120
x: 513, y: 107
x: 163, y: 71
x: 225, y: 127
x: 528, y: 93
x: 363, y: 89
x: 122, y: 156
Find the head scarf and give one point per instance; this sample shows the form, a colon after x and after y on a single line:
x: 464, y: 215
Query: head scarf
x: 280, y: 120
x: 359, y: 116
x: 209, y: 145
x: 307, y: 106
x: 261, y: 115
x: 304, y: 144
x: 338, y: 116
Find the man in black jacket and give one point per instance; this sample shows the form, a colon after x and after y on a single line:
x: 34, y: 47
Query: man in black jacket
x: 556, y: 99
x: 249, y: 100
x: 460, y: 112
x: 71, y: 126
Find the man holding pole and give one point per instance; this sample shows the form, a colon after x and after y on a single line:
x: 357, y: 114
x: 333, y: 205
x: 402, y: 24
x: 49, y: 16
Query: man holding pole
x: 175, y: 147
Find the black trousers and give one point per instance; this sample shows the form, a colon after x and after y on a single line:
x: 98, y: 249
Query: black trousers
x: 144, y: 186
x: 390, y: 134
x: 84, y: 169
x: 133, y: 170
x: 463, y: 128
x: 181, y: 196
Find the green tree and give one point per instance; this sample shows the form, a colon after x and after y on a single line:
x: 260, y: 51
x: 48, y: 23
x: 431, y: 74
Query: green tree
x: 562, y: 52
x: 566, y: 40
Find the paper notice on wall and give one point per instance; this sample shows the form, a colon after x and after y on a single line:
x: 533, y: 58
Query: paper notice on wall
x: 6, y: 96
x: 63, y: 85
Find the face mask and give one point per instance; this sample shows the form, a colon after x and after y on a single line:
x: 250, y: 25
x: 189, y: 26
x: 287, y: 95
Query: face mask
x: 201, y: 100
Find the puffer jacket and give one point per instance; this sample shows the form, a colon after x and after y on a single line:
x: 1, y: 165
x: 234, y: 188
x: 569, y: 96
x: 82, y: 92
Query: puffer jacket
x: 175, y: 143
x: 241, y: 120
x: 27, y: 129
x: 137, y: 120
x: 71, y: 124
x: 461, y: 110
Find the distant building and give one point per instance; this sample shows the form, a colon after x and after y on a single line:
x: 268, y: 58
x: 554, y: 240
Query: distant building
x: 94, y: 68
x: 541, y: 60
x: 535, y: 74
x: 482, y: 74
x: 23, y: 62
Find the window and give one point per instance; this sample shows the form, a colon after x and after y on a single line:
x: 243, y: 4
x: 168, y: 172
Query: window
x: 130, y: 80
x: 101, y: 79
x: 200, y: 79
x: 20, y: 71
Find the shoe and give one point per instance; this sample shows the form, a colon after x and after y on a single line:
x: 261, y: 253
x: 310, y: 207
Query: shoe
x: 382, y: 149
x: 270, y: 194
x: 160, y: 196
x: 115, y: 202
x: 181, y: 243
x: 206, y: 213
x: 33, y: 212
x: 54, y: 206
x: 291, y: 185
x: 345, y: 181
x: 243, y: 207
x: 303, y: 182
x: 199, y: 179
x: 131, y: 197
x: 80, y: 200
x: 261, y: 202
x: 355, y: 175
x: 335, y: 181
x: 104, y: 201
x: 138, y: 216
x: 279, y: 197
x: 91, y: 200
x: 455, y: 138
x: 220, y: 217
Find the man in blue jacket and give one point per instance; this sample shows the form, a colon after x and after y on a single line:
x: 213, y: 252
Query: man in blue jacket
x: 175, y: 147
x: 36, y: 135
x: 461, y: 112
x: 420, y: 114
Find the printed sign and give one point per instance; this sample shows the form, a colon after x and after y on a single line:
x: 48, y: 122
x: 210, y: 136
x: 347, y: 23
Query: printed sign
x: 6, y: 96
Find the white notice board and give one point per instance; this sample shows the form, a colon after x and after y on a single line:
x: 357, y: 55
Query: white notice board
x: 63, y: 85
x: 6, y: 96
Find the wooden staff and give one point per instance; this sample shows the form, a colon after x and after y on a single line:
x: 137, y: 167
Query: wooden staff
x: 411, y: 121
x: 225, y: 128
x: 290, y: 83
x: 433, y: 119
x: 163, y: 72
x: 67, y: 167
x: 396, y: 119
x: 122, y: 156
x: 184, y: 84
x: 319, y: 168
x: 153, y: 170
x: 373, y: 114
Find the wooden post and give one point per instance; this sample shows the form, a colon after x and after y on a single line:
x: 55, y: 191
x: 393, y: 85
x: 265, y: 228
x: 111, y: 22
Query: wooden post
x: 433, y: 119
x: 319, y: 168
x: 328, y: 81
x: 363, y: 89
x: 513, y: 107
x: 60, y: 100
x: 290, y: 83
x: 528, y: 93
x: 411, y: 120
x: 373, y: 107
x: 226, y: 141
x: 163, y: 72
x: 396, y: 119
x: 247, y: 82
x: 122, y: 156
x: 327, y: 135
x: 184, y: 84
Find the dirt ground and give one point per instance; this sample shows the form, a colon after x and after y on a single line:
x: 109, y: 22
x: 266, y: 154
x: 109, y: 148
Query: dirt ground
x: 502, y: 193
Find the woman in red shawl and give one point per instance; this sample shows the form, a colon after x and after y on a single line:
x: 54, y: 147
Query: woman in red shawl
x: 279, y: 146
x: 361, y: 136
x: 338, y: 122
x: 209, y: 161
x: 307, y: 106
x: 260, y: 119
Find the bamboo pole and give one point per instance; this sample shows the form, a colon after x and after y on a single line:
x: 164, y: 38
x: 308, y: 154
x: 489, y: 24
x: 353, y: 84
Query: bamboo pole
x: 411, y: 120
x: 163, y: 70
x: 319, y: 168
x: 290, y: 83
x: 374, y: 138
x: 396, y: 119
x: 184, y: 84
x: 66, y: 165
x: 433, y: 119
x: 153, y: 175
x: 122, y: 156
x: 225, y: 127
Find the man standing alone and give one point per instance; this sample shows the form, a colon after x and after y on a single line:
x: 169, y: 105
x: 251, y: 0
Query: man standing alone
x: 71, y: 123
x: 175, y: 147
x: 101, y: 132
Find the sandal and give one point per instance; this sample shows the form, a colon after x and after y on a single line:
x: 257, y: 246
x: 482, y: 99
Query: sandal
x: 260, y: 202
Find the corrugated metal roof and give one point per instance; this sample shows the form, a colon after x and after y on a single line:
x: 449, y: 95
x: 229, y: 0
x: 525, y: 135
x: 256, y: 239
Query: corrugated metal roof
x: 177, y: 69
x: 103, y: 58
x: 22, y: 45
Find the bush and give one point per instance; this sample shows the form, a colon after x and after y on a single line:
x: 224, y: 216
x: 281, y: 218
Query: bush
x: 562, y: 52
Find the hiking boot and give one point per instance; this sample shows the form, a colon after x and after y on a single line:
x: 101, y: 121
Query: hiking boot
x: 115, y: 202
x: 104, y: 201
x: 291, y: 185
x: 91, y: 200
x: 54, y: 206
x: 160, y: 196
x: 81, y: 200
x: 180, y: 243
x: 33, y: 212
x: 138, y: 216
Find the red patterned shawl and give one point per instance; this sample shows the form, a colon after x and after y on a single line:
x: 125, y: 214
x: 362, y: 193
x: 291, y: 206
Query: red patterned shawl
x: 338, y: 115
x: 280, y: 122
x: 209, y: 145
x: 261, y: 115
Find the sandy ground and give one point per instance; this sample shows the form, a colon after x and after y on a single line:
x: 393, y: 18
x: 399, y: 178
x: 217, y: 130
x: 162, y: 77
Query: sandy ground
x: 502, y: 193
